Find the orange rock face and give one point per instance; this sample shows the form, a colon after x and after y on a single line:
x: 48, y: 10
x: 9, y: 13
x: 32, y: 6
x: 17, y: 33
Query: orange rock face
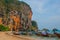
x: 16, y: 20
x: 0, y: 20
x: 30, y: 15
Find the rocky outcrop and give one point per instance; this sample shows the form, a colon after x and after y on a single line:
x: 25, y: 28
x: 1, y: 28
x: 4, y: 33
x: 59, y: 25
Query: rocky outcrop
x: 17, y: 16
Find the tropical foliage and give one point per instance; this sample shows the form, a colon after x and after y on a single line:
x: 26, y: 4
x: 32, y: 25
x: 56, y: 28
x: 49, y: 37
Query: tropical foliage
x: 34, y: 26
x: 3, y: 28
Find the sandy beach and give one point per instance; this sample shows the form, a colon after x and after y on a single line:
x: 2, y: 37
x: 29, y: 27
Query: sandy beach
x: 4, y: 36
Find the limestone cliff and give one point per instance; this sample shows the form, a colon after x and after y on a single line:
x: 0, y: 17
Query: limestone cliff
x: 15, y: 14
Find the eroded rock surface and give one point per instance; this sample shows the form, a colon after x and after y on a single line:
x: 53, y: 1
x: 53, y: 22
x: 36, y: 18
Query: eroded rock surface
x: 16, y: 15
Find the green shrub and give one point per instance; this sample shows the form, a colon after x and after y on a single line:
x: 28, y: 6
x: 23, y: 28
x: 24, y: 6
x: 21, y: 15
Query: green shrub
x: 3, y: 28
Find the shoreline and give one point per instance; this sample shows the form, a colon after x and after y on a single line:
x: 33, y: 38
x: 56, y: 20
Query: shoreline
x: 7, y: 36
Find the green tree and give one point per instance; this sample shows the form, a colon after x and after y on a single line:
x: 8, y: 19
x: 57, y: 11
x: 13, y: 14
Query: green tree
x: 34, y: 25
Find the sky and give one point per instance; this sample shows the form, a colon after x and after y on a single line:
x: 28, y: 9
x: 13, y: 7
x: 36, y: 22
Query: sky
x: 46, y: 13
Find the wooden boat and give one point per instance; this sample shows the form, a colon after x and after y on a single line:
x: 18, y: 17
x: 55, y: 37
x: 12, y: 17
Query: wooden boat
x: 45, y: 35
x: 57, y: 34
